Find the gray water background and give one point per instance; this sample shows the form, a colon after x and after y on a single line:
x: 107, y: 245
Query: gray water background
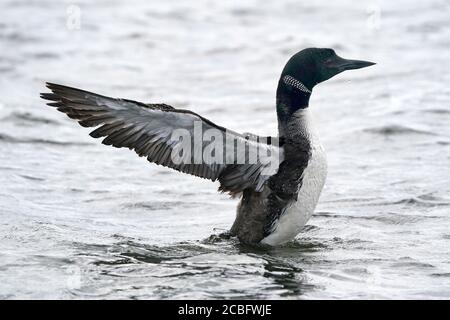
x: 82, y: 220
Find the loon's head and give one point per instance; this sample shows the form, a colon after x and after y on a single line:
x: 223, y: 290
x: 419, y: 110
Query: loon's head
x: 307, y: 68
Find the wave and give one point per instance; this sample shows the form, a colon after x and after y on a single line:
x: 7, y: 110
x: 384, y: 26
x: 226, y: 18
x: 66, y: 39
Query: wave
x: 388, y: 217
x: 17, y: 117
x: 438, y: 111
x: 426, y: 200
x: 160, y: 205
x: 391, y: 130
x: 10, y: 139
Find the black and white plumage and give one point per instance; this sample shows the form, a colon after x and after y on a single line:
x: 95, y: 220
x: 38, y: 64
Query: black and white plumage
x: 278, y: 196
x: 147, y: 129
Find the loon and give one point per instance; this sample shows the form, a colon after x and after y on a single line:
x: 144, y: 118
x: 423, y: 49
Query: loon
x: 277, y: 196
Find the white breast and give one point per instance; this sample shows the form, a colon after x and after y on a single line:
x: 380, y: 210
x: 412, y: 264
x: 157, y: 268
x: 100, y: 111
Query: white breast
x: 299, y: 212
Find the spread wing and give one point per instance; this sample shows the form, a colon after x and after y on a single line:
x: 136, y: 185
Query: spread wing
x: 175, y: 138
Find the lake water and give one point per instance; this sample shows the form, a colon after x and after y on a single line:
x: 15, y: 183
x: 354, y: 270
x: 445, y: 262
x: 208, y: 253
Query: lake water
x: 82, y: 220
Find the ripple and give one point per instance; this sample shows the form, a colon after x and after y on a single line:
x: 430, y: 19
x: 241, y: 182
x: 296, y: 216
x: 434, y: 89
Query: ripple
x: 45, y: 55
x: 413, y: 264
x: 388, y: 218
x: 441, y: 275
x: 33, y: 178
x: 65, y: 226
x: 160, y: 205
x: 392, y: 130
x: 10, y: 139
x: 423, y: 200
x: 18, y: 37
x: 195, y: 262
x: 438, y: 111
x: 21, y: 117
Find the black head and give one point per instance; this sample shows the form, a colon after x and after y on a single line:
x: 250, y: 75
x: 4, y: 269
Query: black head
x: 307, y: 68
x: 314, y: 65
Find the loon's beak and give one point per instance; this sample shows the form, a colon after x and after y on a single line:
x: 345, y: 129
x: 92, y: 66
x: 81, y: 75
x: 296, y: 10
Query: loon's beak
x: 344, y: 64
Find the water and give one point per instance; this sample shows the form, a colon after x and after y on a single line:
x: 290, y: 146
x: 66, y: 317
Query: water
x: 82, y: 220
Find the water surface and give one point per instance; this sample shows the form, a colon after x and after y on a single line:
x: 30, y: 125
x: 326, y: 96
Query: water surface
x: 82, y: 220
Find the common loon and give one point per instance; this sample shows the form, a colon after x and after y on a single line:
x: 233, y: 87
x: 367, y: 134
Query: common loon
x: 279, y: 179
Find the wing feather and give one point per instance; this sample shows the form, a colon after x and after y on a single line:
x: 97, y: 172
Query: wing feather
x: 148, y: 130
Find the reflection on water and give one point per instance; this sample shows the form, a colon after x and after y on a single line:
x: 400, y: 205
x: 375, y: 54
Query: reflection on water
x: 230, y: 269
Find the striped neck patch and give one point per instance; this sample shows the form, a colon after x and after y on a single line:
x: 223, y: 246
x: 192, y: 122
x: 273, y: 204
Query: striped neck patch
x: 291, y: 81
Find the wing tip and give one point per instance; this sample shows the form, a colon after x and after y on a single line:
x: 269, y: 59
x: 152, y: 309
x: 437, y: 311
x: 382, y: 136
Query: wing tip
x: 52, y: 86
x: 49, y: 96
